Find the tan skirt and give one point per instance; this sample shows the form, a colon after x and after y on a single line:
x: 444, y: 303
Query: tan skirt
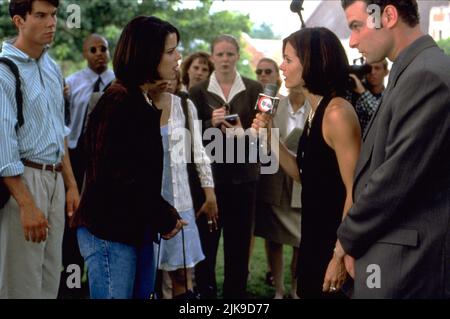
x: 279, y: 224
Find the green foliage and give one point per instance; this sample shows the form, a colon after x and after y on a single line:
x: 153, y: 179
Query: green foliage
x: 445, y: 45
x: 264, y: 31
x: 256, y: 286
x: 197, y: 26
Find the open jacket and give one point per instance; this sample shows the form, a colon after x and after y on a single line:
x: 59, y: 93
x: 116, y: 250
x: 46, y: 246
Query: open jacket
x: 244, y: 94
x: 122, y: 195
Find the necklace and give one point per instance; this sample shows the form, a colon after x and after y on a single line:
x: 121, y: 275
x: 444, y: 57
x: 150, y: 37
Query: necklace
x: 148, y: 100
x: 311, y: 115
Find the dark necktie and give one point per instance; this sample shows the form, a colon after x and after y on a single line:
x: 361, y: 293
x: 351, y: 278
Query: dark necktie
x: 97, y: 85
x: 95, y: 90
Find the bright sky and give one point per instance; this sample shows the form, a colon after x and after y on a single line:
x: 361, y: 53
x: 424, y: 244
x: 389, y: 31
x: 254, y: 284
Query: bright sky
x: 275, y: 13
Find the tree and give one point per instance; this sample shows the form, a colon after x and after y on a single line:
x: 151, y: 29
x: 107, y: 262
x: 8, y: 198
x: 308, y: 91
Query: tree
x: 264, y: 31
x: 197, y: 26
x: 445, y: 45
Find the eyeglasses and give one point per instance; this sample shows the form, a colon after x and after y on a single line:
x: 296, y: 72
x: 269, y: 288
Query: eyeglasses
x: 266, y: 71
x: 93, y: 50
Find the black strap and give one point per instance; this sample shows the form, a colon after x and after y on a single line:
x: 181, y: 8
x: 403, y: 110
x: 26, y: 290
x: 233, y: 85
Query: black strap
x: 19, y: 98
x: 184, y: 105
x: 153, y: 294
x: 184, y: 260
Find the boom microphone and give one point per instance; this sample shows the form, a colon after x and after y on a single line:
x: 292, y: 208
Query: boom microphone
x: 296, y: 6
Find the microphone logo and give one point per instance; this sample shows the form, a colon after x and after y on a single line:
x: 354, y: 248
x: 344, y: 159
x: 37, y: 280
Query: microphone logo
x: 267, y: 102
x: 264, y: 104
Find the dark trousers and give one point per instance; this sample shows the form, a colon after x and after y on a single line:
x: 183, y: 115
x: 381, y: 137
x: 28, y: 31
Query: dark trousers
x: 236, y: 205
x: 70, y: 250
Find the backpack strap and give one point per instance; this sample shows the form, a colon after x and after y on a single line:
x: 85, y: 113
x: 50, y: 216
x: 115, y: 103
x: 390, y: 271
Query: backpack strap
x: 19, y: 98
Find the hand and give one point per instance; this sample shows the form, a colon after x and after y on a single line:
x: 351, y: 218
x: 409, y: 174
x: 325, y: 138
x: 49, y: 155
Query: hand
x: 209, y: 208
x: 335, y: 275
x: 66, y: 91
x: 360, y: 89
x: 218, y: 116
x: 233, y: 130
x: 72, y: 200
x: 35, y: 224
x: 339, y: 250
x: 349, y: 262
x: 262, y: 120
x: 173, y: 232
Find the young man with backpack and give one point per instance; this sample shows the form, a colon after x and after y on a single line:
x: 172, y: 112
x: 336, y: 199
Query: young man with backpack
x: 34, y: 162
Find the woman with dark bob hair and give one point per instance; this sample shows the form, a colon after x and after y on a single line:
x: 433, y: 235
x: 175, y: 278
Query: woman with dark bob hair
x: 326, y: 157
x: 121, y: 209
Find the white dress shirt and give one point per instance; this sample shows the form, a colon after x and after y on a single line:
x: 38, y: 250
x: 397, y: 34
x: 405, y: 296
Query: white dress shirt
x: 296, y: 118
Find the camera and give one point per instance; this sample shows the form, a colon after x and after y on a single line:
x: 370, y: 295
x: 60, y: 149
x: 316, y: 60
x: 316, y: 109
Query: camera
x: 361, y: 70
x: 232, y: 118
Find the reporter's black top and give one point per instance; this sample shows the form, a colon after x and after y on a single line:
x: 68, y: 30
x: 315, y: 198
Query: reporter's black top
x: 323, y: 199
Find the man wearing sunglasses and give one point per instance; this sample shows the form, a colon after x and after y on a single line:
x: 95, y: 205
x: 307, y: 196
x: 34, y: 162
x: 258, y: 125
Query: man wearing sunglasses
x: 267, y: 72
x: 94, y: 78
x: 82, y: 87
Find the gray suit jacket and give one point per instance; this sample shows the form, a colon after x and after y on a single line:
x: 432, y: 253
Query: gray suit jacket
x: 398, y: 227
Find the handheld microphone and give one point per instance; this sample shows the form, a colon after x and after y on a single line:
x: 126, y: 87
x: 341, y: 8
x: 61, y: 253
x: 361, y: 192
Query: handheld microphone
x: 267, y: 101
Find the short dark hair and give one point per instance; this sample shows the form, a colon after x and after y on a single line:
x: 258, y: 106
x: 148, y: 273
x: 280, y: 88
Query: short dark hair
x: 139, y: 50
x: 225, y: 38
x: 203, y: 57
x: 407, y: 9
x: 22, y: 7
x: 324, y: 61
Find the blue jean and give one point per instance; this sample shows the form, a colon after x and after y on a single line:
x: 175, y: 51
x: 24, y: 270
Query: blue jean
x: 111, y: 266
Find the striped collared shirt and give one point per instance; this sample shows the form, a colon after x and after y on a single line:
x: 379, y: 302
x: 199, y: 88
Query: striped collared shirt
x: 81, y: 85
x: 41, y: 138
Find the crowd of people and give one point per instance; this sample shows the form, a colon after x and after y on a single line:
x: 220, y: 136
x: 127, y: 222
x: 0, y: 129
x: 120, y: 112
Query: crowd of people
x: 93, y: 175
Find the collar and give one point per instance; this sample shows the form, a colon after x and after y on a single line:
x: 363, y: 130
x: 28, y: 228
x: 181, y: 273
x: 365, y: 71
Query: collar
x: 92, y: 76
x: 301, y: 110
x: 9, y: 50
x: 237, y: 87
x: 408, y: 55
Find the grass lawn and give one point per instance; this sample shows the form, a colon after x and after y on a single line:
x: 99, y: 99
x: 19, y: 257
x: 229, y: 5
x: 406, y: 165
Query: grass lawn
x: 256, y: 285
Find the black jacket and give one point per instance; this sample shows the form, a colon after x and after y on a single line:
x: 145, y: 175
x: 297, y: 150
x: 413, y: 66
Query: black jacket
x: 243, y: 104
x: 122, y: 196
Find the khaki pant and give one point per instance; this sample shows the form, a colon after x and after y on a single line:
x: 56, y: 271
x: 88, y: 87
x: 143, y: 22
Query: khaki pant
x: 27, y: 269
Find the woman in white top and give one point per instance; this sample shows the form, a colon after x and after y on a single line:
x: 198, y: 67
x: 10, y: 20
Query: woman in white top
x: 175, y: 189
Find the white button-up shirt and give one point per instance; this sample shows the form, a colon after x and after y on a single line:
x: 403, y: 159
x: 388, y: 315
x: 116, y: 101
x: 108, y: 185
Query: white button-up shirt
x: 81, y: 85
x: 178, y: 136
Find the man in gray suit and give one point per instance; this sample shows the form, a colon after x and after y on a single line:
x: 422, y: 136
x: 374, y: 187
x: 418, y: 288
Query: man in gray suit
x: 398, y: 228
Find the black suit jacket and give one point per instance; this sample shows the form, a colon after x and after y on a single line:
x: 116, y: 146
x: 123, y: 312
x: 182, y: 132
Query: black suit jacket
x: 244, y: 105
x: 400, y: 220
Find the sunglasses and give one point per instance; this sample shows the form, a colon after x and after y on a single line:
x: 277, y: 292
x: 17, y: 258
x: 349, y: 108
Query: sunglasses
x: 266, y: 71
x: 102, y: 49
